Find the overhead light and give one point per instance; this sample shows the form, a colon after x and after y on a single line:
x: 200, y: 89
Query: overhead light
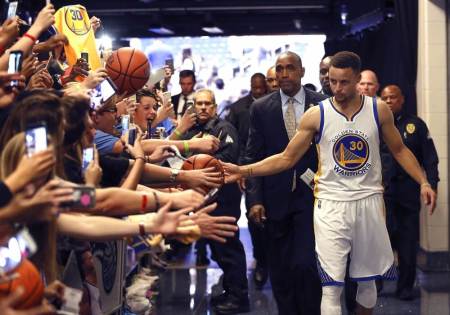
x: 212, y: 30
x: 161, y: 30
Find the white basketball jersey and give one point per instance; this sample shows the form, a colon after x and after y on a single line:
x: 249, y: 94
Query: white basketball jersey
x: 349, y: 153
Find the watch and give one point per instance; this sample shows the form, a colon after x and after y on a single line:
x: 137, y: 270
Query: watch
x: 173, y: 174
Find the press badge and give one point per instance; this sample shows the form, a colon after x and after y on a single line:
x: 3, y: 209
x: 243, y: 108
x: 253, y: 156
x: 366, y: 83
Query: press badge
x: 308, y: 178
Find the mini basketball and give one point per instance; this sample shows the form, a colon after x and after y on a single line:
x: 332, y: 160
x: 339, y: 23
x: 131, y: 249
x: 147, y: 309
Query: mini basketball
x: 129, y: 69
x: 29, y: 278
x: 201, y: 161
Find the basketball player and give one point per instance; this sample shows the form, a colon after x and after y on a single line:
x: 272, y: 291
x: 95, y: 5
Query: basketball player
x: 348, y: 212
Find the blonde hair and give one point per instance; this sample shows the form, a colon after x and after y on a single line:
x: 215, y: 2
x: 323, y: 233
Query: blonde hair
x: 44, y: 233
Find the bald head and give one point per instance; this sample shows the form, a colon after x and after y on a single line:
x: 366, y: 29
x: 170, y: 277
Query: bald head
x: 292, y: 55
x: 290, y: 71
x: 368, y: 85
x: 393, y: 96
x: 271, y: 79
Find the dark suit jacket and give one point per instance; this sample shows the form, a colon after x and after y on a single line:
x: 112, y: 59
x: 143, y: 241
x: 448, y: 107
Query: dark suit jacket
x: 239, y: 117
x: 268, y: 136
x: 175, y: 100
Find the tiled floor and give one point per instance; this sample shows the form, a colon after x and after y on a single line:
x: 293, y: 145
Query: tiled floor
x: 185, y: 290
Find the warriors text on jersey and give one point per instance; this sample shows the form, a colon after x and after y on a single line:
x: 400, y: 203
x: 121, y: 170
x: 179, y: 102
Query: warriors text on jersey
x: 349, y: 154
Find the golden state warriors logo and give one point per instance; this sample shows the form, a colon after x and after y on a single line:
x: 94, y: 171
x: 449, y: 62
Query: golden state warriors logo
x: 75, y: 21
x: 351, y: 153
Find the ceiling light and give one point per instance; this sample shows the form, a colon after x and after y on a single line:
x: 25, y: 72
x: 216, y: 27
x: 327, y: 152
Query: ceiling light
x: 161, y: 30
x: 212, y: 30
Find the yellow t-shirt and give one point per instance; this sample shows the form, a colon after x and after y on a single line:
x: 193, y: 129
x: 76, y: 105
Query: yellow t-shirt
x: 73, y: 21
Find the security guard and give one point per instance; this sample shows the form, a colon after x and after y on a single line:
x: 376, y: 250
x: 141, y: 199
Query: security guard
x: 230, y: 256
x: 402, y: 193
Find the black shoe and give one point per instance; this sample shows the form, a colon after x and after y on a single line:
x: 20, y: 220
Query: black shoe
x: 216, y: 299
x: 260, y: 276
x: 405, y: 295
x: 232, y: 305
x: 201, y: 261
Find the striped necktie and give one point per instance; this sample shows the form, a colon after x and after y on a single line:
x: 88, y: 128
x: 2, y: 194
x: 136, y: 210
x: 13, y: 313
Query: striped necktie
x: 290, y: 122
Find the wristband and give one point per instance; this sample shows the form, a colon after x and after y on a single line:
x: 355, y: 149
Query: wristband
x: 144, y: 203
x: 140, y: 158
x: 425, y: 185
x: 142, y: 229
x: 178, y: 134
x: 157, y: 204
x: 186, y: 147
x: 34, y: 39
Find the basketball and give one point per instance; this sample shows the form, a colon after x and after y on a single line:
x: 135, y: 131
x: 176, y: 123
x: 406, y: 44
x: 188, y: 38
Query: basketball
x: 29, y: 279
x: 129, y: 69
x: 201, y: 161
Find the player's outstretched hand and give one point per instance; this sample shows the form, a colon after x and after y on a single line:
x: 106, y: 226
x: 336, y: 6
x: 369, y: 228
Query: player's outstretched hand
x: 232, y: 172
x: 429, y: 197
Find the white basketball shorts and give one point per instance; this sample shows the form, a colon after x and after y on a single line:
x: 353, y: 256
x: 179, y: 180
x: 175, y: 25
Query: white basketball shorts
x: 356, y: 228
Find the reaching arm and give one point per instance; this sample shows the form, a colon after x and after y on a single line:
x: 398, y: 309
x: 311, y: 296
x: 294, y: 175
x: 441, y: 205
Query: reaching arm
x: 399, y: 150
x: 403, y: 155
x: 296, y: 148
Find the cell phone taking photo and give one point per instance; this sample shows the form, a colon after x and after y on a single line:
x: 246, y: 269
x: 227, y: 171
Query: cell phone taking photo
x: 88, y: 156
x: 85, y: 56
x: 132, y: 136
x: 83, y: 198
x: 14, y: 249
x: 102, y: 93
x: 36, y: 138
x: 125, y: 123
x: 15, y: 65
x: 12, y: 9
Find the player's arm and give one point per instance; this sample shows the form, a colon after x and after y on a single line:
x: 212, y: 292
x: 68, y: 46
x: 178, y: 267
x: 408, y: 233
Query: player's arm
x: 402, y: 154
x: 299, y: 144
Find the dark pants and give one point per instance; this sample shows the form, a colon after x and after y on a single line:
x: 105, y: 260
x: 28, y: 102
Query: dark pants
x: 259, y: 242
x: 292, y: 265
x: 403, y: 227
x: 230, y: 256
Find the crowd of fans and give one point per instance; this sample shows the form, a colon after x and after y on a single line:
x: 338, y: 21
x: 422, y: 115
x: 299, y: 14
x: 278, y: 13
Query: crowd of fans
x: 44, y: 189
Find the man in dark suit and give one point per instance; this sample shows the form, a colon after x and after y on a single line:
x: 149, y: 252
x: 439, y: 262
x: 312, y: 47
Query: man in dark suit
x: 239, y: 117
x: 283, y: 202
x: 187, y: 83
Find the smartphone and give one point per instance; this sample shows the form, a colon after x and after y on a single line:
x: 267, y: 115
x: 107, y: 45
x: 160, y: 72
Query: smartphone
x: 85, y: 56
x: 125, y: 122
x: 15, y: 64
x: 102, y: 93
x: 17, y: 247
x: 190, y: 109
x: 167, y: 97
x: 132, y: 136
x: 12, y: 9
x: 83, y: 198
x: 88, y: 156
x: 169, y: 63
x: 36, y: 138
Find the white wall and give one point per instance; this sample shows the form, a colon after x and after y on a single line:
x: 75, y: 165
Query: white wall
x: 432, y: 107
